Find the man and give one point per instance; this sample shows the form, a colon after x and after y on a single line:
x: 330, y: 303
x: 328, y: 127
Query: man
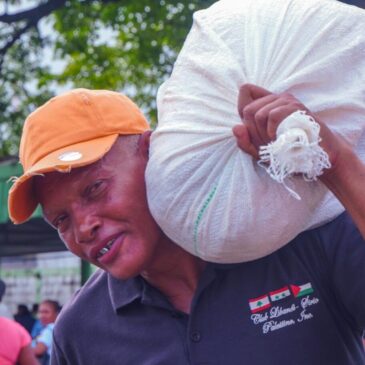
x: 84, y: 154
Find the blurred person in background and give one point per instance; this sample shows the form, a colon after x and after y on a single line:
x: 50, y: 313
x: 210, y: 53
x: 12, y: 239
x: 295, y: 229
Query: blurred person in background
x: 25, y: 317
x: 35, y: 308
x: 37, y: 327
x: 4, y: 310
x: 42, y: 344
x: 15, y: 344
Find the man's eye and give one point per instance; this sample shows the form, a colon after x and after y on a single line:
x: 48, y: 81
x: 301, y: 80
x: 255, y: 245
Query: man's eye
x: 59, y: 221
x: 95, y: 188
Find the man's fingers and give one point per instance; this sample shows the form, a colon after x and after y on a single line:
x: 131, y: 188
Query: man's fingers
x: 262, y: 118
x: 249, y: 93
x: 249, y: 100
x: 244, y: 98
x: 257, y: 91
x: 244, y: 141
x: 278, y: 114
x: 261, y: 112
x: 253, y: 114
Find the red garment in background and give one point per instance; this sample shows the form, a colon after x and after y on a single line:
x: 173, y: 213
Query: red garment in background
x: 13, y: 337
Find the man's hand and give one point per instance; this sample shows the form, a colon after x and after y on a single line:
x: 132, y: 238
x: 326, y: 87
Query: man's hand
x: 262, y: 111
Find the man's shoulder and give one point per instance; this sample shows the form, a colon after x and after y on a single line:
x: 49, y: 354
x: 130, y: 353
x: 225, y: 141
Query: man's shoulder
x: 337, y: 231
x: 319, y: 244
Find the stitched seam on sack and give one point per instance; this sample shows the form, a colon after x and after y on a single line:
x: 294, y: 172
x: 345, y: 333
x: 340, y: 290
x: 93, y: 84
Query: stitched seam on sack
x: 200, y: 216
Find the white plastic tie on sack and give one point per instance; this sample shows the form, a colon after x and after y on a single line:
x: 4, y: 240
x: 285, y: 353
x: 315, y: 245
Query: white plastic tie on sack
x: 296, y: 150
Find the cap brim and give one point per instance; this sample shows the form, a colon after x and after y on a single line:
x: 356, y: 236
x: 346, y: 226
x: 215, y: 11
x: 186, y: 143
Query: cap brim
x: 22, y: 200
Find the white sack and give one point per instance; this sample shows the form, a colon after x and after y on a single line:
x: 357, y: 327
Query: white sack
x: 207, y: 195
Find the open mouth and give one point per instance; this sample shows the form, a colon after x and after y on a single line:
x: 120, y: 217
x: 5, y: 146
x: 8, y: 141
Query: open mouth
x: 105, y: 249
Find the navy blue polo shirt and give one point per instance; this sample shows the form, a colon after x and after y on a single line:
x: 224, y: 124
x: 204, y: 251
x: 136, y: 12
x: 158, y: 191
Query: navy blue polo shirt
x: 304, y: 304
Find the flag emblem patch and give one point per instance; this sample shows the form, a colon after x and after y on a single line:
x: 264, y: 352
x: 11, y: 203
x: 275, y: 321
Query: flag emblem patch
x: 279, y: 294
x: 266, y: 301
x: 259, y: 304
x: 300, y: 290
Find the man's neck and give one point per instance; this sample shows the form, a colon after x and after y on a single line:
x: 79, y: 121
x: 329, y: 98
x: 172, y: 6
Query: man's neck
x: 176, y: 276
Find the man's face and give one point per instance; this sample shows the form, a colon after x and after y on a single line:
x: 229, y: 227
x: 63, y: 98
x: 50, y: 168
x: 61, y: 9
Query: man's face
x: 101, y: 211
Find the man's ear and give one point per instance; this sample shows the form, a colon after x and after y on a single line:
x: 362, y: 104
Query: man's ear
x: 144, y: 143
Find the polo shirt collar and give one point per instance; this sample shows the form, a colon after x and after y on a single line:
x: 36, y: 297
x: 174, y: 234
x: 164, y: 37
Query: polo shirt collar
x: 125, y: 292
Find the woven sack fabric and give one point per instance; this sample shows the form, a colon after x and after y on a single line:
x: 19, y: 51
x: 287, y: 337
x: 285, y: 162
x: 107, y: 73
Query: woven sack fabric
x: 206, y: 194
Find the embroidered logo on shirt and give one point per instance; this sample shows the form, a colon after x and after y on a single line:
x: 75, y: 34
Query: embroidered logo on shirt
x: 299, y: 291
x: 266, y: 309
x: 259, y: 304
x: 279, y: 294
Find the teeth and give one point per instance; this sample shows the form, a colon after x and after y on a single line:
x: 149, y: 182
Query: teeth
x: 106, y: 249
x: 110, y: 243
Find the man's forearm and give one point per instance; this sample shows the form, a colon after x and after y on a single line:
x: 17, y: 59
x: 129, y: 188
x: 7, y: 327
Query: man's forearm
x: 347, y: 182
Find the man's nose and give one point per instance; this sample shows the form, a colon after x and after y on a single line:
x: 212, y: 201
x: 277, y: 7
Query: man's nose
x: 86, y: 228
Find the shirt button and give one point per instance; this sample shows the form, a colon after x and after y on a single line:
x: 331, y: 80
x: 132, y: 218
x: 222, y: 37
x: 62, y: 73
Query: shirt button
x: 195, y: 336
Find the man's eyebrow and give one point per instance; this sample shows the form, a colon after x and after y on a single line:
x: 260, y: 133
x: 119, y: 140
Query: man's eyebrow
x: 104, y: 167
x: 95, y: 170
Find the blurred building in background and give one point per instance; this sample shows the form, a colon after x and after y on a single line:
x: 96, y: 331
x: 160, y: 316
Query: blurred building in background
x: 31, y: 278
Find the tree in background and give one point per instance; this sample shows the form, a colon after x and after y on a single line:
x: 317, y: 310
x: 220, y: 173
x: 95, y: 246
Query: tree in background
x: 124, y: 45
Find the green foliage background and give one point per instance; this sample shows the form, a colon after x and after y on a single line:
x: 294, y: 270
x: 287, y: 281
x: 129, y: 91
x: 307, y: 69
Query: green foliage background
x: 122, y: 45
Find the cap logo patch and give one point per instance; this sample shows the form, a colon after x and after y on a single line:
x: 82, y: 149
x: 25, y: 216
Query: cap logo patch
x: 70, y: 156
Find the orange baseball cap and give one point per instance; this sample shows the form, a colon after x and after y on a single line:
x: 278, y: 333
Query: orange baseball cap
x: 71, y: 130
